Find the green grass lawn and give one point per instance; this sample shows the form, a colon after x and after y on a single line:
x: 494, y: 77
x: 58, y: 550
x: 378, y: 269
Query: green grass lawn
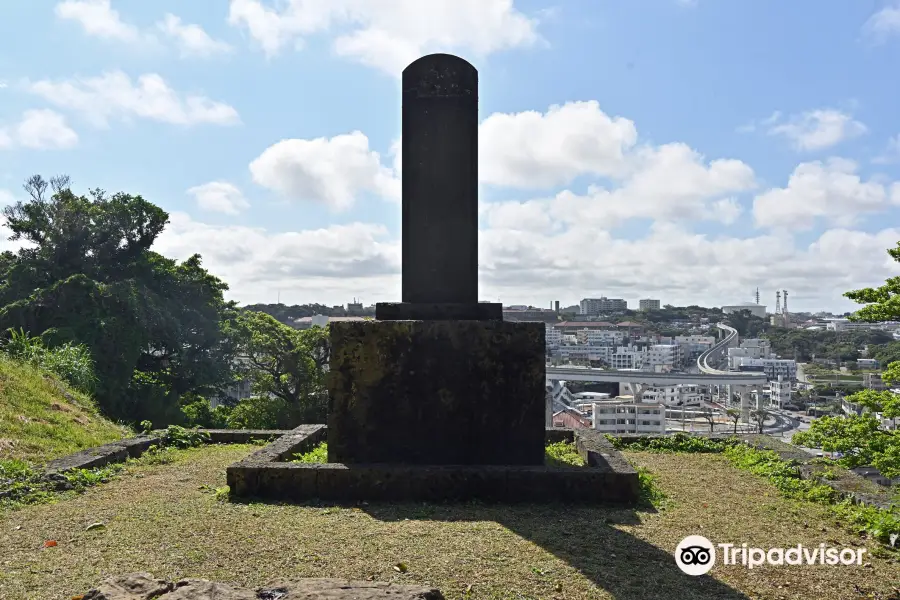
x: 41, y: 418
x: 168, y: 519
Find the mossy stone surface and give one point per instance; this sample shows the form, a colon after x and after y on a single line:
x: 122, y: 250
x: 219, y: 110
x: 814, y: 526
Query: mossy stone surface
x: 437, y: 392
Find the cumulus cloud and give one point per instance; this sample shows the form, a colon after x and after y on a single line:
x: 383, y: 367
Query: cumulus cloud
x: 191, y: 39
x: 818, y: 129
x: 830, y: 190
x: 883, y: 24
x: 97, y: 18
x: 332, y: 171
x: 41, y: 129
x: 113, y: 95
x: 219, y: 196
x: 533, y: 149
x: 338, y: 261
x: 387, y: 35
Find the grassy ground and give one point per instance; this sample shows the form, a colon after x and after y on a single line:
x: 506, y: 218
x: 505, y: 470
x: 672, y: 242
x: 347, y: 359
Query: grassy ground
x: 41, y: 418
x: 166, y: 519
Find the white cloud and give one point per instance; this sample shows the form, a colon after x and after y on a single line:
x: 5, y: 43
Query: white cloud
x: 113, y: 95
x: 532, y: 149
x: 531, y: 264
x: 818, y: 129
x: 346, y: 259
x: 42, y: 129
x: 669, y: 183
x: 388, y: 35
x: 883, y: 24
x: 727, y: 210
x: 332, y: 171
x: 830, y: 190
x: 191, y: 39
x: 98, y: 19
x: 219, y: 196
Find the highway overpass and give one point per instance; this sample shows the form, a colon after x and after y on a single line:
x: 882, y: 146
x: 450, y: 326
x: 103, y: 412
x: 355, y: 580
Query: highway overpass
x: 654, y: 379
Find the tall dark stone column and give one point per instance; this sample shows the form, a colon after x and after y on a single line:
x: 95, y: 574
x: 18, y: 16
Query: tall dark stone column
x: 440, y: 194
x: 439, y: 378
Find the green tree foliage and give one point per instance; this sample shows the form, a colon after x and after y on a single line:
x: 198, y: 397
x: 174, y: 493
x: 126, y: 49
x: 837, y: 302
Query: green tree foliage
x: 288, y: 314
x: 859, y: 438
x: 261, y: 412
x: 885, y: 402
x: 835, y: 345
x: 747, y: 325
x: 156, y: 328
x: 286, y: 363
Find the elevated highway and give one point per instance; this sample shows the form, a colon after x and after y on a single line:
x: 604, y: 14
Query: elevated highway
x: 655, y: 379
x: 718, y: 353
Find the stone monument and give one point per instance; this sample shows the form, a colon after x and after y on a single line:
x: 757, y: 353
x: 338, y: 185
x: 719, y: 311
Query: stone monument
x: 439, y: 378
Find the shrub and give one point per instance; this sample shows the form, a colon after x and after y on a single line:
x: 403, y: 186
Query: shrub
x: 197, y: 412
x: 562, y: 454
x: 258, y: 412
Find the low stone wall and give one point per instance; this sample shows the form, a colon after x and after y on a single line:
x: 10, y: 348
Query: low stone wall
x: 122, y: 450
x: 607, y: 478
x: 102, y: 455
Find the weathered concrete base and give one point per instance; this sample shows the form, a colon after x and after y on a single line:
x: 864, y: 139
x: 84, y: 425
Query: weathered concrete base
x: 437, y: 393
x: 143, y: 586
x: 607, y: 478
x: 419, y: 311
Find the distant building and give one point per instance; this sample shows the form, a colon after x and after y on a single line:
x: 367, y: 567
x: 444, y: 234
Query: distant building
x: 772, y: 367
x: 623, y: 415
x: 757, y: 310
x: 780, y: 392
x: 648, y: 304
x: 867, y: 363
x: 602, y: 305
x: 873, y: 381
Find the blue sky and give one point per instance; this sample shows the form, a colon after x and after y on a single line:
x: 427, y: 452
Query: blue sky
x: 721, y: 146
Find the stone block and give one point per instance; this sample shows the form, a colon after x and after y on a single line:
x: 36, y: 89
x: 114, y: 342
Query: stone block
x: 437, y: 392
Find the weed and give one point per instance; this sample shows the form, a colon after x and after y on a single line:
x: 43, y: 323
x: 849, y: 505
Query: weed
x: 650, y: 492
x: 679, y: 442
x: 318, y: 454
x: 562, y: 454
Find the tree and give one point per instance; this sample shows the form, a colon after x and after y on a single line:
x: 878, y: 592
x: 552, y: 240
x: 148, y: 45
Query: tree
x: 155, y: 327
x: 708, y: 414
x: 885, y: 402
x: 860, y: 440
x: 735, y: 415
x: 284, y: 362
x: 759, y: 415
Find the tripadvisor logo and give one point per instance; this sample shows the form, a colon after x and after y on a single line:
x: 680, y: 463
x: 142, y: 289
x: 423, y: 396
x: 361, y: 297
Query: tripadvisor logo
x: 696, y: 555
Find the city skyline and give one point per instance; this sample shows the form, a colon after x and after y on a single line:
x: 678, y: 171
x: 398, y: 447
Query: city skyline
x: 686, y: 151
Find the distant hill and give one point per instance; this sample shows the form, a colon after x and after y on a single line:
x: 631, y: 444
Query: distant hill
x: 41, y: 418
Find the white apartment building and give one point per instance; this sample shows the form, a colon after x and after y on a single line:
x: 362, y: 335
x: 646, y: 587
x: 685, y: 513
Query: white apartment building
x: 623, y: 415
x: 610, y: 337
x: 626, y: 357
x: 554, y: 336
x: 673, y: 395
x: 583, y: 352
x: 757, y: 348
x: 648, y: 304
x: 602, y: 305
x: 780, y: 392
x: 772, y: 367
x: 663, y: 358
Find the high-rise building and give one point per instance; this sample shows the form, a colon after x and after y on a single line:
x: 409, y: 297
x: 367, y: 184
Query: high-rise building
x: 602, y: 305
x: 648, y: 304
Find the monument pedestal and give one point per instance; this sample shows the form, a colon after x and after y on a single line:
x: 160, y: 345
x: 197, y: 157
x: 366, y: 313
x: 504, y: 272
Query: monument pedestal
x: 437, y: 393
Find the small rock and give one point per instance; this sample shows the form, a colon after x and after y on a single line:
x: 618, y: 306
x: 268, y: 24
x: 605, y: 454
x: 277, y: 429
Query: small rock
x: 95, y: 526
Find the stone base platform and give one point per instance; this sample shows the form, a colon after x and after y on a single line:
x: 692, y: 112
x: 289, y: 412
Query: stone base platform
x: 437, y: 392
x: 607, y: 478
